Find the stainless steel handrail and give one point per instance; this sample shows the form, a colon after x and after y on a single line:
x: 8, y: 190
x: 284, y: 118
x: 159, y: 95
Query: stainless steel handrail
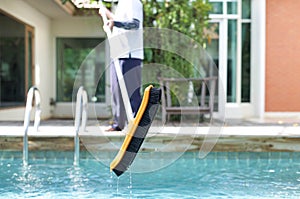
x: 32, y: 93
x: 80, y: 114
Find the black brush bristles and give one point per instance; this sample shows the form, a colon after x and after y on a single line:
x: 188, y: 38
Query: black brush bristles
x: 140, y: 133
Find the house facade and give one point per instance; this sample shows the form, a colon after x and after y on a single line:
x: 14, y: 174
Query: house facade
x: 254, y: 45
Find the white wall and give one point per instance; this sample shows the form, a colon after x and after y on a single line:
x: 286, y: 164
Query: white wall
x: 43, y: 54
x: 77, y: 27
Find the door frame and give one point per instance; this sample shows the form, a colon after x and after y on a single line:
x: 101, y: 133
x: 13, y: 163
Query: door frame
x: 29, y: 57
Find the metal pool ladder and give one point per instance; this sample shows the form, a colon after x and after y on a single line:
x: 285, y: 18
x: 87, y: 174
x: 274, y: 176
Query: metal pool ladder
x: 33, y: 92
x: 80, y: 114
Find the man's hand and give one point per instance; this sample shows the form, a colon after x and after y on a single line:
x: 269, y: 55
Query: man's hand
x: 108, y: 26
x: 108, y: 23
x: 103, y: 11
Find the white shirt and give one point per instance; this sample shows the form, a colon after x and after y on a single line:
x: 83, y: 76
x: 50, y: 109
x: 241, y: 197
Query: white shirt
x: 125, y: 42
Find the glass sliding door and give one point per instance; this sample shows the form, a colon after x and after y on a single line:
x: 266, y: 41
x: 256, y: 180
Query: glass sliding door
x: 246, y: 62
x: 16, y: 61
x: 246, y: 51
x: 232, y: 61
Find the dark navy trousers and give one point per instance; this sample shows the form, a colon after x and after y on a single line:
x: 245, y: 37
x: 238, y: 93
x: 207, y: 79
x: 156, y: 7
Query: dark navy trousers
x: 132, y: 72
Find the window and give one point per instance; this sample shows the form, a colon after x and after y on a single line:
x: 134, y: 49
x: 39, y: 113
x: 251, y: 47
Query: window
x: 235, y: 18
x: 16, y: 61
x: 79, y: 60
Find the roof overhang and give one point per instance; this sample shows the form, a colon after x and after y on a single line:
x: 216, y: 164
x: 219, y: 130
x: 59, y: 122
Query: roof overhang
x: 89, y: 4
x: 53, y: 8
x: 64, y: 8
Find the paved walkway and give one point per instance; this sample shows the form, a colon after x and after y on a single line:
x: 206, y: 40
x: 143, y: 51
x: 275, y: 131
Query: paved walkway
x: 284, y: 122
x: 233, y: 135
x: 251, y: 127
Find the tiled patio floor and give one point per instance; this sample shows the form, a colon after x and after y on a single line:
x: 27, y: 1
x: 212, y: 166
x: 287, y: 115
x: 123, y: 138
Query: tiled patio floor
x: 233, y: 135
x: 284, y: 122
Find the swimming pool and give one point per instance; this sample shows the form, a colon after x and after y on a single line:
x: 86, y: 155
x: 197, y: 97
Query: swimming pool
x: 219, y: 175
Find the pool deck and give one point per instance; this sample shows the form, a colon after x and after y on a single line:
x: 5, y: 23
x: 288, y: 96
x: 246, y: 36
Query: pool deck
x: 65, y: 128
x: 233, y: 135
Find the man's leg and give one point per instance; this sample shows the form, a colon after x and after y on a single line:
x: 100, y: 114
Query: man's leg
x: 118, y: 110
x: 132, y: 72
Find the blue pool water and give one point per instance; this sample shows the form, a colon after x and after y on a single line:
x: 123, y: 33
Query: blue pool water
x: 219, y: 175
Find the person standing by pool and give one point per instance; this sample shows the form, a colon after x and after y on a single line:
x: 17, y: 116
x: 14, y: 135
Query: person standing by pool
x: 126, y: 45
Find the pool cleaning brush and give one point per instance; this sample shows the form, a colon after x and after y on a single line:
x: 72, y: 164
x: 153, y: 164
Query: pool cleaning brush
x: 137, y: 131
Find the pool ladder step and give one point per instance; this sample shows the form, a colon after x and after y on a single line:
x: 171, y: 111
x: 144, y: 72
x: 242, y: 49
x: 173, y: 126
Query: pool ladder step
x: 80, y: 119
